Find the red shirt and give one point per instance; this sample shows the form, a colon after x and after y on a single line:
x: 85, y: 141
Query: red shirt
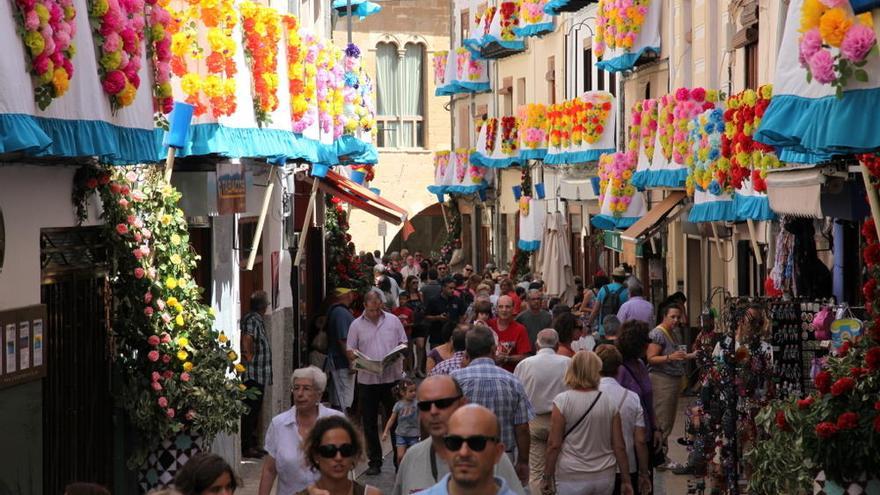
x: 405, y: 315
x: 515, y: 339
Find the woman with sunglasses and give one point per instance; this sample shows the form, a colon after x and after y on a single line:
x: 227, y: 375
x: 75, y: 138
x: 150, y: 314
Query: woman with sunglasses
x: 332, y: 448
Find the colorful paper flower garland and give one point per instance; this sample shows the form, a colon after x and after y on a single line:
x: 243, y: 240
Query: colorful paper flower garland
x: 615, y: 174
x: 261, y: 32
x: 742, y: 156
x: 618, y: 24
x: 533, y: 126
x: 665, y: 125
x: 213, y: 93
x: 635, y: 128
x: 834, y: 44
x: 330, y: 80
x: 509, y: 12
x: 159, y: 52
x: 648, y: 127
x: 438, y: 61
x: 302, y: 53
x: 509, y: 142
x: 117, y: 33
x: 47, y: 28
x: 578, y: 121
x: 705, y: 132
x: 531, y: 11
x: 491, y: 132
x: 689, y: 103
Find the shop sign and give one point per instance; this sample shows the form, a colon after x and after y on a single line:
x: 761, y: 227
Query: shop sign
x: 231, y: 188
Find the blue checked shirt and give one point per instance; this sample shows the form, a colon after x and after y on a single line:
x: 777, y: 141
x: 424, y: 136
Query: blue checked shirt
x: 500, y: 391
x: 260, y: 369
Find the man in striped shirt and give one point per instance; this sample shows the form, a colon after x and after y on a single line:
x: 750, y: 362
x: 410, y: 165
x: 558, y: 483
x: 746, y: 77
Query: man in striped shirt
x: 256, y: 356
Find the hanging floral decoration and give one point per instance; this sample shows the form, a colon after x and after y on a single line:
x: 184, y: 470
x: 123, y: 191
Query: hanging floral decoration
x: 486, y: 19
x: 509, y: 143
x: 441, y: 162
x: 533, y: 126
x: 330, y: 79
x: 519, y: 264
x: 580, y: 120
x: 618, y: 24
x: 835, y: 45
x: 635, y: 127
x: 477, y: 173
x: 461, y: 170
x: 47, y: 29
x: 159, y: 52
x: 689, y: 103
x: 439, y: 63
x: 261, y: 32
x: 509, y: 12
x: 452, y: 241
x: 463, y: 155
x: 742, y: 156
x: 302, y: 55
x: 666, y: 125
x: 491, y: 133
x: 615, y: 172
x: 117, y: 33
x: 359, y: 113
x: 705, y: 132
x: 531, y: 11
x: 213, y: 93
x: 344, y: 267
x: 178, y: 373
x: 648, y: 127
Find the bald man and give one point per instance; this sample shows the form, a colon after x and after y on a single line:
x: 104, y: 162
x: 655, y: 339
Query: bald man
x: 473, y: 448
x: 425, y: 463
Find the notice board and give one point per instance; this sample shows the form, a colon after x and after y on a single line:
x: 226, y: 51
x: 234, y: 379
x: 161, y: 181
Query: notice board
x: 23, y: 339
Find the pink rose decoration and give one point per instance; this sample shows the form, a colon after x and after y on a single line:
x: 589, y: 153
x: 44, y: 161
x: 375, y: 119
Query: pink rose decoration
x: 166, y: 359
x: 114, y: 82
x: 138, y: 273
x: 42, y: 64
x: 122, y: 229
x: 160, y: 304
x: 163, y: 402
x: 153, y: 340
x: 834, y: 3
x: 137, y: 237
x: 167, y: 374
x: 156, y: 386
x: 112, y: 42
x: 822, y: 66
x: 190, y: 415
x: 166, y: 318
x: 166, y: 338
x: 811, y: 42
x: 155, y: 376
x: 857, y: 42
x: 170, y: 412
x: 153, y: 356
x: 123, y: 203
x: 137, y: 196
x: 184, y: 376
x: 148, y: 298
x: 148, y: 311
x: 31, y: 20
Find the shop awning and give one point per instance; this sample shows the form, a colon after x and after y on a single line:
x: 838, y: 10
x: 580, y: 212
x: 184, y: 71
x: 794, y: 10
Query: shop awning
x: 797, y: 192
x: 654, y: 216
x: 362, y: 198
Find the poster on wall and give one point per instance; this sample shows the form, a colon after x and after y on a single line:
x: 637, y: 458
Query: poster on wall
x: 231, y: 188
x: 23, y: 338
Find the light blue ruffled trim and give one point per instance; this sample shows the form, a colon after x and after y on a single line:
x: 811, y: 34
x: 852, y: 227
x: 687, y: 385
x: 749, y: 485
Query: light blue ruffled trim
x: 552, y: 7
x: 356, y: 151
x: 713, y: 211
x: 827, y: 125
x: 640, y: 179
x: 788, y: 155
x: 473, y: 45
x: 575, y: 157
x: 539, y: 29
x: 445, y: 90
x: 625, y: 61
x: 361, y: 8
x: 459, y: 189
x: 609, y: 222
x: 665, y: 178
x: 472, y: 87
x: 537, y: 154
x: 755, y: 208
x: 528, y: 245
x: 483, y: 161
x: 22, y: 134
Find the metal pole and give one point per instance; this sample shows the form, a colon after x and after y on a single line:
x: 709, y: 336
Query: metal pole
x: 348, y: 21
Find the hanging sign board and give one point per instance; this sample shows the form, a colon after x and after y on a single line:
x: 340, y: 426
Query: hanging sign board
x: 22, y: 334
x: 231, y: 188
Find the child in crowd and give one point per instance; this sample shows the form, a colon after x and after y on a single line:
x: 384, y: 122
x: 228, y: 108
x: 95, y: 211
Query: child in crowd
x: 405, y: 314
x: 406, y: 415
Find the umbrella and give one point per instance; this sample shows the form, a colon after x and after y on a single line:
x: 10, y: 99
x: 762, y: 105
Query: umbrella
x: 556, y: 258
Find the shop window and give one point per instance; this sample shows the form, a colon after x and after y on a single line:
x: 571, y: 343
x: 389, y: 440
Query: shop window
x: 400, y: 95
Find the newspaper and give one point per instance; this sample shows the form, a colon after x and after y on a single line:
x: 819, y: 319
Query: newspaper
x: 378, y: 366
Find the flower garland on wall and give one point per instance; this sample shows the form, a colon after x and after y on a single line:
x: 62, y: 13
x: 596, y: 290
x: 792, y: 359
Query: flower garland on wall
x: 213, y: 93
x: 302, y: 53
x: 743, y: 156
x: 438, y: 61
x: 491, y: 133
x: 835, y: 45
x: 615, y: 173
x: 330, y: 79
x: 635, y: 127
x: 117, y: 34
x: 441, y: 163
x: 689, y: 103
x: 452, y: 241
x: 648, y: 127
x: 47, y: 28
x: 705, y: 134
x: 666, y: 125
x: 261, y: 32
x: 509, y: 140
x: 531, y: 11
x: 359, y: 113
x: 509, y: 12
x: 533, y: 126
x: 178, y: 372
x: 159, y: 52
x: 519, y: 264
x: 344, y: 268
x: 618, y: 24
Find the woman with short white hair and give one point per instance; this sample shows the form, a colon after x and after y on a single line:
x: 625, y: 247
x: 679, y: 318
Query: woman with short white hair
x: 285, y: 459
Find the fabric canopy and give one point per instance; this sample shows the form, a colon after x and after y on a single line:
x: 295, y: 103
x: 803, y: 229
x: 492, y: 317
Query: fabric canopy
x: 654, y: 216
x: 360, y: 197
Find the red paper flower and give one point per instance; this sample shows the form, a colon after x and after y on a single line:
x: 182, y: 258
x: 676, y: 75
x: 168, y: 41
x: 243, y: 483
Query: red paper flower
x: 805, y: 403
x: 848, y: 421
x: 872, y: 359
x: 826, y: 430
x: 780, y: 420
x: 842, y: 386
x: 823, y: 382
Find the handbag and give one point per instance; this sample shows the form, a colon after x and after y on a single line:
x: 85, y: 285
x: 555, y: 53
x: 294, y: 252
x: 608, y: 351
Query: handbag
x: 584, y: 416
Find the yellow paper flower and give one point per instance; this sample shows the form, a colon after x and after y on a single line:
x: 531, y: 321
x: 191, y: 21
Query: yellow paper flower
x: 127, y: 95
x: 833, y: 26
x: 232, y: 355
x: 175, y: 258
x: 182, y: 355
x: 223, y: 338
x: 60, y: 81
x: 242, y: 387
x: 179, y: 320
x: 182, y: 342
x: 239, y: 368
x: 171, y: 283
x: 175, y: 239
x: 811, y: 12
x: 187, y: 366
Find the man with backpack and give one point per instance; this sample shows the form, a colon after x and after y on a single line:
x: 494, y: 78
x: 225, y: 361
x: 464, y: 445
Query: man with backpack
x: 611, y: 297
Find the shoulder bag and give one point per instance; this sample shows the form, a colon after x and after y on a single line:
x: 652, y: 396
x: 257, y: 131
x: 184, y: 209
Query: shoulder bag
x: 584, y: 416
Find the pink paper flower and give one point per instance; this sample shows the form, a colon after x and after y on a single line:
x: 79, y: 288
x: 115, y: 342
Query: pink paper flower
x: 114, y: 82
x: 834, y: 3
x: 121, y: 229
x: 123, y: 203
x: 156, y: 386
x: 153, y: 340
x: 857, y: 42
x: 822, y: 66
x: 166, y: 338
x: 148, y: 311
x: 155, y: 376
x: 162, y: 401
x: 31, y: 20
x: 138, y: 273
x: 166, y: 359
x: 166, y: 318
x: 184, y: 376
x: 153, y: 356
x: 811, y: 42
x: 42, y: 64
x: 170, y: 412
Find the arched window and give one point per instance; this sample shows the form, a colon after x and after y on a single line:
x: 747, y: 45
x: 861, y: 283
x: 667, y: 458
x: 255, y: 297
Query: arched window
x: 400, y: 95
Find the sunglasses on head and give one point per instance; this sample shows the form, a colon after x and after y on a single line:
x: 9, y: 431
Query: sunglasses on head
x: 329, y: 450
x: 476, y: 443
x: 425, y: 405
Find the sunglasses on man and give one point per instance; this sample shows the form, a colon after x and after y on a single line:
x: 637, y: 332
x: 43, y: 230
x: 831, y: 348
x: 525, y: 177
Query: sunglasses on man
x: 476, y: 443
x: 329, y: 451
x: 425, y: 405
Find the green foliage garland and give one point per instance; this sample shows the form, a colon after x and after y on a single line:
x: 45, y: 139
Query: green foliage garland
x: 344, y: 269
x: 178, y: 373
x: 452, y: 241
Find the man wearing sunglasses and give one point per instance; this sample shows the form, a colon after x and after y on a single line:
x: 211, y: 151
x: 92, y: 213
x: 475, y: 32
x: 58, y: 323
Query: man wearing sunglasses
x: 424, y: 464
x: 472, y: 451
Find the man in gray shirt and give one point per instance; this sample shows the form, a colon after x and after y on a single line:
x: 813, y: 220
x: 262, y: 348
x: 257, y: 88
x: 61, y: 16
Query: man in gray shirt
x: 534, y: 318
x: 424, y: 463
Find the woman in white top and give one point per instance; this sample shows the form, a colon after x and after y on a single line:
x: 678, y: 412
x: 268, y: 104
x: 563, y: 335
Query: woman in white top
x: 586, y: 446
x: 285, y: 459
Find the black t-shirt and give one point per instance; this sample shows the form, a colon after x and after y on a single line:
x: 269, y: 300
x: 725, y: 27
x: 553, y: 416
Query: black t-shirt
x: 453, y: 308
